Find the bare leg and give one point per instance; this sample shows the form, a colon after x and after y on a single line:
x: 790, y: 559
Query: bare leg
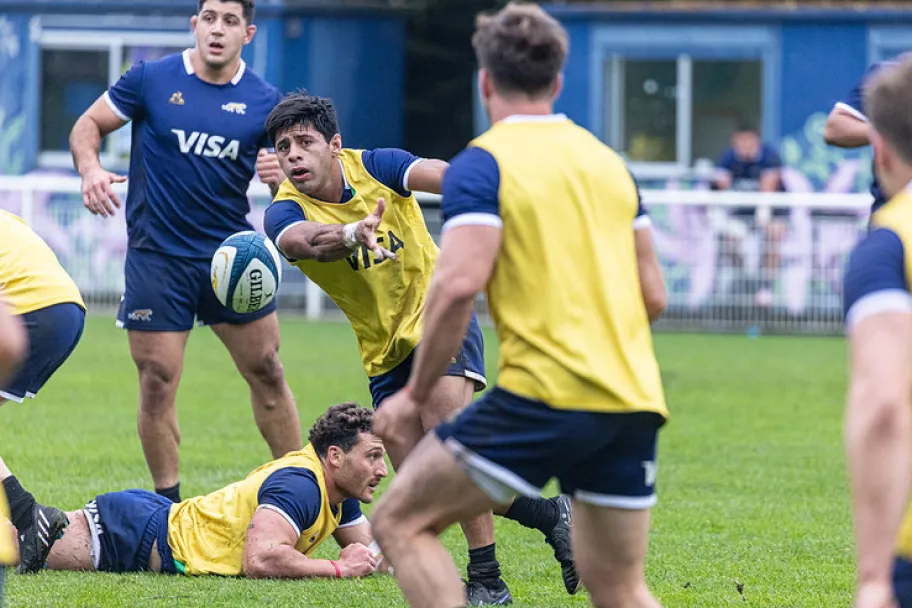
x: 610, y: 547
x: 430, y: 493
x: 159, y: 358
x: 255, y: 350
x: 73, y: 551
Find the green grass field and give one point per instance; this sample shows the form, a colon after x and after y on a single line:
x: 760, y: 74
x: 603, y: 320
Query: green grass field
x: 752, y: 489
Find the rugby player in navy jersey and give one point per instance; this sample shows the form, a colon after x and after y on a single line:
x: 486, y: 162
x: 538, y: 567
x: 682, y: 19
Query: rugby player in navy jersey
x: 847, y: 126
x: 198, y: 137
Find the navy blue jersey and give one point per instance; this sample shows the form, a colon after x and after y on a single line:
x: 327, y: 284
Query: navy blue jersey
x: 746, y: 174
x: 193, y: 153
x: 854, y: 104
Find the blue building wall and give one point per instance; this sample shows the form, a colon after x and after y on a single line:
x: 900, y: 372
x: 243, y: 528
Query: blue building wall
x: 811, y: 59
x: 356, y: 57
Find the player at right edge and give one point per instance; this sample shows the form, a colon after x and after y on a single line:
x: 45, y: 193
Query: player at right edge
x: 878, y: 307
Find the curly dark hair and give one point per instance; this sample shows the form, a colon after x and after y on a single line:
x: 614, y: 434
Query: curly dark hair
x: 247, y: 5
x: 299, y: 108
x: 341, y: 426
x: 522, y: 47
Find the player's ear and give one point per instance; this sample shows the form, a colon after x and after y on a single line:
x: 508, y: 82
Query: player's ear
x: 335, y: 144
x: 251, y: 32
x: 558, y: 86
x: 193, y: 21
x: 485, y: 86
x: 335, y: 455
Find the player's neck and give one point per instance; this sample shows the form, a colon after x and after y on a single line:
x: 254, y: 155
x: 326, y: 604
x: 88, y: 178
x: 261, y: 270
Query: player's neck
x: 334, y: 188
x: 333, y: 494
x: 500, y: 109
x: 206, y: 73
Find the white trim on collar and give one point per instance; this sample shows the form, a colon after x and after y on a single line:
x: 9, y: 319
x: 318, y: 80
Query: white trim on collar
x: 345, y: 185
x: 188, y: 66
x: 534, y: 118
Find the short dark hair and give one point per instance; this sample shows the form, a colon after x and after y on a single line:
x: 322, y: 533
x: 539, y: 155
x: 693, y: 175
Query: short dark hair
x: 299, y: 108
x: 522, y: 47
x: 746, y: 127
x: 247, y: 5
x: 886, y: 101
x: 341, y: 426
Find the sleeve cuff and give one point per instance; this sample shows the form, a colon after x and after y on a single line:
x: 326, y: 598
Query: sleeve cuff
x: 356, y: 522
x: 853, y: 111
x: 408, y: 171
x: 887, y: 300
x: 642, y: 222
x: 278, y: 239
x: 473, y: 219
x: 114, y: 108
x: 283, y: 514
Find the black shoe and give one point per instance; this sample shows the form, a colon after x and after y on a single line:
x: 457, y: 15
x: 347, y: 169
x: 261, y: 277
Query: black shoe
x: 483, y: 594
x: 35, y: 542
x: 559, y: 539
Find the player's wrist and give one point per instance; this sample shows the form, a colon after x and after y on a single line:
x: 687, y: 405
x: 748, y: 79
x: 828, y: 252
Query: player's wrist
x: 350, y: 235
x: 337, y: 568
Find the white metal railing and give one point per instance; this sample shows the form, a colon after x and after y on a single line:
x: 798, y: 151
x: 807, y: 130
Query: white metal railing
x: 723, y: 272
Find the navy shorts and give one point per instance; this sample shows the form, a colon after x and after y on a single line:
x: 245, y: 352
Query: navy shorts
x: 468, y: 363
x: 124, y: 525
x: 511, y: 445
x: 165, y: 293
x: 53, y: 333
x: 902, y: 582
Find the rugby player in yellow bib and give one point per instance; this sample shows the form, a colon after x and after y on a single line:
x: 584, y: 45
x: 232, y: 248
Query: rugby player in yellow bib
x: 877, y: 296
x: 45, y: 298
x: 267, y: 525
x: 348, y: 219
x: 537, y: 211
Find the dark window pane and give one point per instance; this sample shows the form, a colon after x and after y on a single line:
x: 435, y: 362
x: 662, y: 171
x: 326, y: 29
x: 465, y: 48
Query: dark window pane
x: 650, y: 92
x: 71, y: 81
x: 725, y: 94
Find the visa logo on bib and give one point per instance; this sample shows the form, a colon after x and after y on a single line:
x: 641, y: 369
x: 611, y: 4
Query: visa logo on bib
x: 203, y: 144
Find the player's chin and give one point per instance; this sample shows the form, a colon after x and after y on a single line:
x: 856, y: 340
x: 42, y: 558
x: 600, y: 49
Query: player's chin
x: 367, y: 496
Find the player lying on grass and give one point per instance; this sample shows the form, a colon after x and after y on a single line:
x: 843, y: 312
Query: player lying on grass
x: 348, y: 219
x: 46, y: 301
x: 267, y: 525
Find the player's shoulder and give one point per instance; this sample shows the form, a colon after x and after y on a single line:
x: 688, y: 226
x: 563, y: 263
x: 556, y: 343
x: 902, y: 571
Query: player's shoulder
x: 252, y: 81
x: 165, y: 66
x: 876, y: 277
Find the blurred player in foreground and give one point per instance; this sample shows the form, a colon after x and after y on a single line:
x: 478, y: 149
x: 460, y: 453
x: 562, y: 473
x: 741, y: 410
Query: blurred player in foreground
x: 265, y: 526
x: 349, y: 221
x: 878, y: 308
x: 13, y: 350
x: 579, y: 396
x: 46, y: 300
x: 197, y: 137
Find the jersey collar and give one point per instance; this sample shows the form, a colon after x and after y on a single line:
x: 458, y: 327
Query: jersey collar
x: 188, y: 66
x: 514, y: 118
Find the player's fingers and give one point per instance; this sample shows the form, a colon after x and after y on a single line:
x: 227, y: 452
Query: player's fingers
x: 384, y: 254
x: 262, y: 153
x: 95, y: 197
x: 111, y: 199
x: 119, y: 179
x: 381, y: 207
x: 101, y: 199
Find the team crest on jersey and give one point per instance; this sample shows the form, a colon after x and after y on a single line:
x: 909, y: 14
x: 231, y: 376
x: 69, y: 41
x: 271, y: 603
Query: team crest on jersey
x: 235, y: 108
x: 177, y: 99
x: 141, y: 314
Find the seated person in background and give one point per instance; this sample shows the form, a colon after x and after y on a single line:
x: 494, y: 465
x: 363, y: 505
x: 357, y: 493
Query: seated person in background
x: 265, y: 526
x: 749, y: 165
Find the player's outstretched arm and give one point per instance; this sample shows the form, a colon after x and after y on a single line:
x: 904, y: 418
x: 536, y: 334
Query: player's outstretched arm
x: 300, y: 239
x: 427, y: 176
x: 269, y: 552
x: 879, y: 438
x: 845, y: 128
x: 85, y: 144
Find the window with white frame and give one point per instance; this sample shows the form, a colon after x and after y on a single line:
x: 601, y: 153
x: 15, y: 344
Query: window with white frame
x: 77, y: 66
x: 671, y: 112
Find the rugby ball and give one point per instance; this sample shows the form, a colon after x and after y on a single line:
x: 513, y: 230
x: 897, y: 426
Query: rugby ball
x: 246, y: 271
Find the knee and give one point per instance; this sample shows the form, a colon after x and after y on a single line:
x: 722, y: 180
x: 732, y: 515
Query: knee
x: 265, y: 370
x: 157, y: 380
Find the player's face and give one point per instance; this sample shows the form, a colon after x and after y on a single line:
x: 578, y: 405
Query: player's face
x: 221, y: 32
x: 362, y: 469
x: 746, y: 144
x: 307, y: 158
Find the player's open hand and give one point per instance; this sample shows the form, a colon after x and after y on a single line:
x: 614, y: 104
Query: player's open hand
x: 269, y: 169
x: 875, y: 595
x: 393, y: 419
x: 357, y: 560
x: 97, y: 194
x: 366, y: 232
